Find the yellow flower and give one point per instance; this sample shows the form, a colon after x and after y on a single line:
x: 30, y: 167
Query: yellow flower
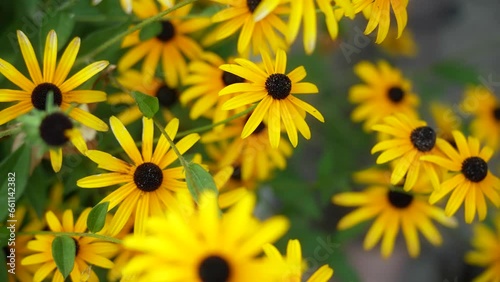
x: 273, y: 90
x: 34, y: 92
x: 386, y: 92
x: 171, y: 45
x: 471, y: 179
x: 486, y: 243
x: 133, y: 80
x: 259, y: 20
x: 380, y: 15
x: 293, y: 263
x: 206, y: 246
x: 409, y: 140
x: 147, y: 181
x: 89, y: 251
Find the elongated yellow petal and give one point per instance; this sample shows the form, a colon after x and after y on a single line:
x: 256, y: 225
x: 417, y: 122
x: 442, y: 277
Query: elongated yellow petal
x: 108, y: 162
x: 50, y: 57
x: 83, y: 75
x: 12, y: 74
x: 256, y: 117
x: 125, y: 139
x: 29, y: 57
x: 56, y: 159
x: 13, y: 112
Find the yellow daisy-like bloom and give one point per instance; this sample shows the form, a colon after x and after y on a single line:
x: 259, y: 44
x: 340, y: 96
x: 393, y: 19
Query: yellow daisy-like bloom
x: 405, y: 45
x: 34, y: 92
x: 410, y: 139
x: 204, y: 82
x: 446, y: 121
x: 89, y: 251
x: 394, y: 210
x: 147, y: 180
x: 482, y: 103
x: 294, y: 264
x: 487, y: 252
x: 380, y: 15
x: 305, y: 11
x: 133, y: 80
x: 273, y: 90
x: 225, y: 247
x: 171, y: 45
x: 386, y: 92
x: 471, y: 179
x: 260, y: 23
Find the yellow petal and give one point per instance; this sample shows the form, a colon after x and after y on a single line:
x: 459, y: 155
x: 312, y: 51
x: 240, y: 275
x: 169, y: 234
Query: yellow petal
x: 50, y: 56
x: 83, y: 75
x: 29, y: 57
x: 125, y: 139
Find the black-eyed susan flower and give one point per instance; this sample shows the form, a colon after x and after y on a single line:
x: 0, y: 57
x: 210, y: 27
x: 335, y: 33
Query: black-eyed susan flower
x: 409, y: 140
x: 89, y: 251
x: 471, y: 180
x: 204, y: 82
x: 168, y: 97
x: 260, y: 23
x: 272, y: 90
x: 172, y: 45
x: 378, y: 13
x: 386, y: 92
x: 294, y: 265
x: 485, y: 107
x: 304, y: 11
x: 225, y: 247
x: 486, y: 253
x: 147, y: 180
x: 394, y: 210
x: 53, y: 79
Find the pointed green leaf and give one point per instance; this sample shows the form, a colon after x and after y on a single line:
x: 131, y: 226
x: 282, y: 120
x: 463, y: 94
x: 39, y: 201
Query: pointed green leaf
x: 97, y: 217
x: 199, y: 180
x: 147, y: 104
x: 64, y: 252
x: 150, y: 31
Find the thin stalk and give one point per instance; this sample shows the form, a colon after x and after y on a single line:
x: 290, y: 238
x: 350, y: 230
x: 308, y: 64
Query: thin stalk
x: 93, y: 235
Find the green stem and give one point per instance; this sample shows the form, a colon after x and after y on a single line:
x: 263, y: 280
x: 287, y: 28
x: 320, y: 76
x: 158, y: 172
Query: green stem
x: 71, y: 234
x: 139, y: 26
x: 183, y: 161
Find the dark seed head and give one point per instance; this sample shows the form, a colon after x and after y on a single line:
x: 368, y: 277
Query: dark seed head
x: 496, y: 113
x: 396, y: 94
x: 214, y: 269
x: 278, y: 86
x: 229, y: 78
x: 423, y: 138
x: 252, y: 4
x: 236, y: 173
x: 167, y: 97
x: 474, y: 169
x: 399, y: 200
x: 148, y: 177
x: 53, y: 127
x: 40, y: 93
x: 167, y: 31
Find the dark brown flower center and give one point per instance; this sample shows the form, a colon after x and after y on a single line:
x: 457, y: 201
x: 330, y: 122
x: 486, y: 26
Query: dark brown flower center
x: 229, y: 78
x: 252, y: 4
x: 214, y: 269
x: 396, y: 94
x: 423, y: 138
x: 148, y: 177
x: 474, y: 169
x: 278, y: 86
x: 236, y: 173
x: 167, y: 97
x: 40, y: 93
x: 167, y: 31
x: 399, y: 200
x: 496, y: 113
x: 52, y: 129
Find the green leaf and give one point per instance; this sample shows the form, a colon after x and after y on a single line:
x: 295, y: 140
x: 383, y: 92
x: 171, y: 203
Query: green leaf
x: 147, y: 104
x: 62, y: 23
x: 100, y: 36
x: 17, y: 163
x: 150, y: 31
x: 64, y: 251
x: 97, y: 217
x: 456, y: 72
x: 199, y: 180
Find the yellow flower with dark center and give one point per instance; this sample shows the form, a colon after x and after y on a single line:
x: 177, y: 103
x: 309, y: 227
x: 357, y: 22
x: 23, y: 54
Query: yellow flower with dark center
x: 471, y: 180
x: 486, y: 253
x: 89, y: 251
x: 204, y: 82
x: 409, y: 140
x: 380, y: 15
x: 272, y: 89
x: 485, y: 107
x: 393, y: 210
x: 133, y: 80
x: 305, y: 11
x: 171, y: 45
x: 386, y: 92
x: 294, y: 265
x: 34, y: 92
x: 206, y: 246
x: 260, y: 23
x: 148, y: 181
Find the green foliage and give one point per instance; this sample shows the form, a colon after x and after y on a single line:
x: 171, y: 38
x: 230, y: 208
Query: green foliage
x: 150, y: 31
x: 64, y: 252
x: 199, y: 180
x: 148, y: 105
x: 456, y: 72
x: 97, y: 217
